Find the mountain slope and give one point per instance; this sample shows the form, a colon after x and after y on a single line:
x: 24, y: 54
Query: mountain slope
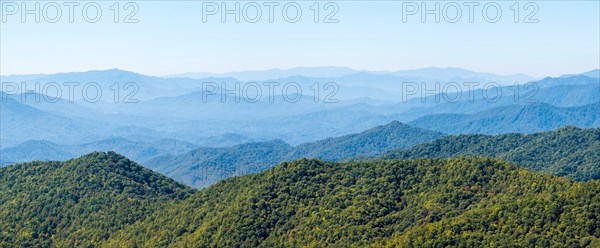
x: 148, y: 86
x: 205, y: 166
x: 33, y: 150
x: 513, y: 119
x: 569, y: 95
x: 139, y: 151
x: 568, y: 151
x: 593, y: 73
x: 561, y: 92
x: 79, y: 202
x: 368, y: 143
x: 21, y: 122
x: 314, y: 203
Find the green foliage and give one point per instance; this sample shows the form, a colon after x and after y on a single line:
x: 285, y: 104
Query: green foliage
x: 79, y: 202
x: 568, y: 151
x: 105, y: 200
x: 462, y: 202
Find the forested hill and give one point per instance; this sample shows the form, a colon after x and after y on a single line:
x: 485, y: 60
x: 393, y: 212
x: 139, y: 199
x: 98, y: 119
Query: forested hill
x: 204, y: 166
x: 568, y: 151
x: 463, y: 202
x: 78, y: 202
x: 105, y: 200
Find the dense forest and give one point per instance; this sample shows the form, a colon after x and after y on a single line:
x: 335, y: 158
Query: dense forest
x: 568, y: 151
x: 79, y: 202
x: 107, y: 200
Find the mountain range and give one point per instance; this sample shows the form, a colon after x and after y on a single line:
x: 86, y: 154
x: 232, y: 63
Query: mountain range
x: 204, y: 166
x: 427, y: 171
x: 431, y: 73
x: 173, y: 110
x: 513, y: 119
x: 139, y: 151
x: 106, y: 200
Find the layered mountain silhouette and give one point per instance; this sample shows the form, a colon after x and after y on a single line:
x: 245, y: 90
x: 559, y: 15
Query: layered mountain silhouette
x: 205, y: 166
x: 513, y: 119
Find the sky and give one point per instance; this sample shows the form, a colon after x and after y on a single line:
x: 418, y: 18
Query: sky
x: 550, y: 38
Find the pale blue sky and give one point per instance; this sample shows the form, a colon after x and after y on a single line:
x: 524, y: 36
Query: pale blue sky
x: 171, y: 38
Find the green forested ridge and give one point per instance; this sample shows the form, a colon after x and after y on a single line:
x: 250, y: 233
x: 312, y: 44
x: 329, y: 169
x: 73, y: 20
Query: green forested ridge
x: 78, y: 202
x: 105, y: 200
x: 204, y: 166
x: 568, y: 151
x: 469, y: 201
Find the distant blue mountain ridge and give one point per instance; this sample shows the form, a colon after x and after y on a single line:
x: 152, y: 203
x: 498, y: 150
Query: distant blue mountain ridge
x: 180, y: 114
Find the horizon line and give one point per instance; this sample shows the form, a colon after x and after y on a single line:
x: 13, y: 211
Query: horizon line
x: 296, y: 67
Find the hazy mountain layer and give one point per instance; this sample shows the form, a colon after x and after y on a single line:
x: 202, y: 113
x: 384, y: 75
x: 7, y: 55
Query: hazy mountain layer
x: 205, y: 166
x: 513, y: 119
